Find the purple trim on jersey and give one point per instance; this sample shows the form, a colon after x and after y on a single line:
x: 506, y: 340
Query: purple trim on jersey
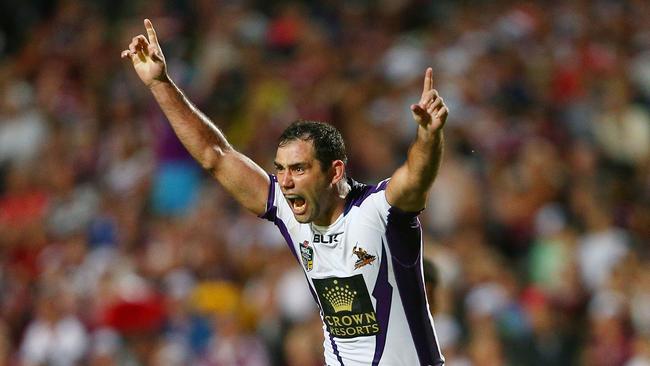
x: 407, y: 249
x: 404, y: 236
x: 285, y: 233
x: 313, y: 294
x: 271, y: 197
x: 336, y: 350
x: 359, y: 193
x: 383, y: 292
x: 271, y: 214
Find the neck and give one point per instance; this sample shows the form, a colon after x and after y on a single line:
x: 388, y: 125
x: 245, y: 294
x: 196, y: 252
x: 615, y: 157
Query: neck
x: 332, y: 213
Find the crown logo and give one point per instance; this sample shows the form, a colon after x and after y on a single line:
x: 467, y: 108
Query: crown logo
x: 340, y: 297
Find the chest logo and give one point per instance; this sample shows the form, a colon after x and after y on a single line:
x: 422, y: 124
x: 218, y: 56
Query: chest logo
x: 307, y: 255
x: 346, y: 305
x: 363, y: 257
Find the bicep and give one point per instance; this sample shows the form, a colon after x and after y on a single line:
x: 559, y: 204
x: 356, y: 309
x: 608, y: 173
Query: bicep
x: 246, y: 181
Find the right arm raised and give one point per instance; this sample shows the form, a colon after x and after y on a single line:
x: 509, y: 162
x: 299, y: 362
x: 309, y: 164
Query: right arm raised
x: 240, y: 176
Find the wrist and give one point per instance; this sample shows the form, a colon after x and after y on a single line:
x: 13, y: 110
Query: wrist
x: 162, y: 80
x: 429, y: 135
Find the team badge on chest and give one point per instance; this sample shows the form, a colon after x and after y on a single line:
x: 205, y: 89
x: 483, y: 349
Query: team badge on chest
x: 307, y: 255
x: 363, y: 257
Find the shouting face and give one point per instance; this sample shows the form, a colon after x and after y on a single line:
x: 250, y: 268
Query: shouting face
x: 305, y: 185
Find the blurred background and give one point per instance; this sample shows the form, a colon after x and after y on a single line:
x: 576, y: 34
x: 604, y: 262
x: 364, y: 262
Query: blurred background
x: 116, y: 249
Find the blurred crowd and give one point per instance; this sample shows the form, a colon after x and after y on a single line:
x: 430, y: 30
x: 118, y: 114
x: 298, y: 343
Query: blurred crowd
x: 116, y: 249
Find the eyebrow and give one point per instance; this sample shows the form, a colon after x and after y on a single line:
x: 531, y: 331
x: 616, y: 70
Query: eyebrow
x: 302, y: 164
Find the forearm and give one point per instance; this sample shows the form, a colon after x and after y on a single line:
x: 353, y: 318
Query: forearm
x: 200, y: 136
x: 239, y: 175
x: 409, y: 185
x: 423, y: 160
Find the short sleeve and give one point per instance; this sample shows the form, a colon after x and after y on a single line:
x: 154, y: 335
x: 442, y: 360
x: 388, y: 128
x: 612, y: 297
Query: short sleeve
x: 276, y: 205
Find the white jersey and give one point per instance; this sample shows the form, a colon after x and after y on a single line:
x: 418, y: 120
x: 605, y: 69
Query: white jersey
x: 365, y: 273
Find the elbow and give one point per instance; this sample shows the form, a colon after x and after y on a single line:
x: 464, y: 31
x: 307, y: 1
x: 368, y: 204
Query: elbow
x: 417, y: 201
x: 212, y: 156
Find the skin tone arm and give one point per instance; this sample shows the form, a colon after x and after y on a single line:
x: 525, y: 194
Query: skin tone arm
x: 239, y: 175
x: 409, y: 186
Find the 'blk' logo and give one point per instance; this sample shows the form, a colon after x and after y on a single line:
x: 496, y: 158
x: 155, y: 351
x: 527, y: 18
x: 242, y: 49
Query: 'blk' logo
x: 329, y: 239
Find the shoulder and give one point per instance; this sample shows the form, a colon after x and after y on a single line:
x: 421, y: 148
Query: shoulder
x: 360, y: 193
x: 277, y: 207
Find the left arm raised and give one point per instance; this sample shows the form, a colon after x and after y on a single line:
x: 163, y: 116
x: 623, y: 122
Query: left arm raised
x: 409, y: 186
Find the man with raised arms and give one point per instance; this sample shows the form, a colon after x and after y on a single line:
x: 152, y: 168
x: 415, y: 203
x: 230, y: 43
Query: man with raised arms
x: 360, y: 246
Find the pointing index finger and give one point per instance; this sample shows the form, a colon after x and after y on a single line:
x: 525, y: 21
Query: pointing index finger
x: 151, y: 33
x: 428, y: 80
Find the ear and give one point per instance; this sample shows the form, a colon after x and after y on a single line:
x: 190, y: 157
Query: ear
x: 338, y: 169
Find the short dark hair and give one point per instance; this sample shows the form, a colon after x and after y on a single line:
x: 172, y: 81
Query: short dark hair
x: 327, y: 140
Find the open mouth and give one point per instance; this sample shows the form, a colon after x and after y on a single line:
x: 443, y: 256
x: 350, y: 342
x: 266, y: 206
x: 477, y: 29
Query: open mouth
x: 297, y: 203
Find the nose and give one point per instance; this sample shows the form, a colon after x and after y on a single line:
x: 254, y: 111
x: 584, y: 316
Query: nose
x: 285, y: 179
